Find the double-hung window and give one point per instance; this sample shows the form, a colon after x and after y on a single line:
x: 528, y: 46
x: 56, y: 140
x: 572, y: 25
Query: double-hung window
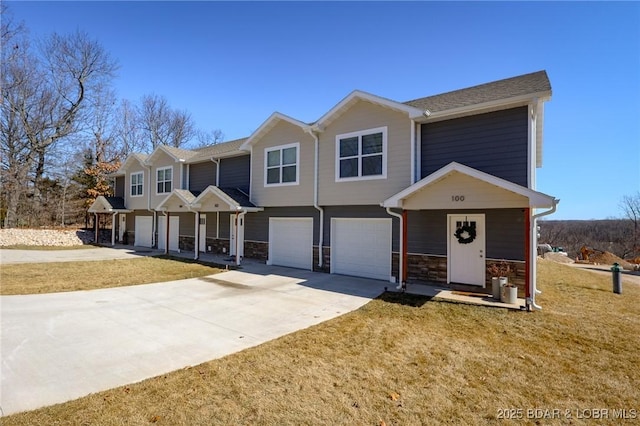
x: 361, y: 155
x: 282, y: 165
x: 137, y: 183
x: 164, y: 179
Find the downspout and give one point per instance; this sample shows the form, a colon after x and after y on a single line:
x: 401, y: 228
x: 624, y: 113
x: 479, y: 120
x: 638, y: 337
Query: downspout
x: 217, y: 163
x: 534, y: 239
x: 315, y: 199
x: 401, y: 285
x: 197, y: 236
x: 166, y: 227
x: 97, y: 227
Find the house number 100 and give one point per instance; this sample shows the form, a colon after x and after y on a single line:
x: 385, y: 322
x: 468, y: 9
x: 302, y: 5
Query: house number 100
x: 457, y: 198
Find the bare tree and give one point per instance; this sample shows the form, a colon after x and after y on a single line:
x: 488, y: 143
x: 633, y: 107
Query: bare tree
x: 630, y: 206
x: 43, y: 98
x: 162, y: 125
x: 212, y: 137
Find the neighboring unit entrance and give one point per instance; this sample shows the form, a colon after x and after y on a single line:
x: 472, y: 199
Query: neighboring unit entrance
x: 174, y: 232
x: 291, y: 242
x: 122, y: 227
x: 361, y: 247
x: 143, y: 231
x: 466, y: 260
x: 236, y: 235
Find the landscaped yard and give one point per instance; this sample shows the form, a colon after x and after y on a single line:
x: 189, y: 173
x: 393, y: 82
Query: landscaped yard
x: 407, y: 360
x: 35, y: 278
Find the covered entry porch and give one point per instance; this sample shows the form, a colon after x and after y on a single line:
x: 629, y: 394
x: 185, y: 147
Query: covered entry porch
x: 206, y: 207
x: 458, y: 221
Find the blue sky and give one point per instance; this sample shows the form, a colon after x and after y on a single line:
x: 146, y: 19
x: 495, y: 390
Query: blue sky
x: 232, y: 64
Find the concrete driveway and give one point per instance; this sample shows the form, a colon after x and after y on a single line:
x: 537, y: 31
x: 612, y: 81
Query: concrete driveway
x: 62, y: 346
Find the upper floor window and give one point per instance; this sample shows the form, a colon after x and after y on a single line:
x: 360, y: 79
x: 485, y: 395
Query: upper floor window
x: 137, y: 183
x: 164, y: 179
x: 361, y: 155
x: 281, y: 165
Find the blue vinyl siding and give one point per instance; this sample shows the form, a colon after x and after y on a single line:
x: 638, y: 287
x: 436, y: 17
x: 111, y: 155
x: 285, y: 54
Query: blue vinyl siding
x: 495, y: 143
x: 234, y: 172
x: 201, y: 176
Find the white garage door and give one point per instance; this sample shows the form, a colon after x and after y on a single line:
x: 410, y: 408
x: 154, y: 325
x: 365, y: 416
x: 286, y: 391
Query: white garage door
x: 361, y: 247
x: 144, y: 228
x: 291, y: 242
x: 174, y: 228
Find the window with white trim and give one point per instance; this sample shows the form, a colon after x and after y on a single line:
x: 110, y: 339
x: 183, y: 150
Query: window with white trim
x: 137, y: 183
x: 164, y: 177
x: 281, y: 165
x: 361, y: 155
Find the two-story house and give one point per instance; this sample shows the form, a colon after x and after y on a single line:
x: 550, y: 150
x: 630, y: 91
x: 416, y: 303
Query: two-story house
x: 432, y: 189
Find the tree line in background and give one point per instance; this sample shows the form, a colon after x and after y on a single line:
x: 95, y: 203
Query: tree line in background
x: 618, y: 236
x: 63, y: 130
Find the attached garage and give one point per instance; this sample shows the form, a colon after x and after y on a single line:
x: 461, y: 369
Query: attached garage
x: 143, y: 231
x: 291, y: 242
x: 361, y: 247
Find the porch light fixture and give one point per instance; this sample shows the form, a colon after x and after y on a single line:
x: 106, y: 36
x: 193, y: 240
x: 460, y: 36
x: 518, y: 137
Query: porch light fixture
x: 427, y: 113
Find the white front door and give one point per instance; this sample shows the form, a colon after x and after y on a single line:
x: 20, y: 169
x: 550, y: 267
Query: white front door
x: 143, y: 230
x: 236, y: 238
x: 202, y: 238
x: 122, y: 227
x: 174, y: 232
x: 466, y: 260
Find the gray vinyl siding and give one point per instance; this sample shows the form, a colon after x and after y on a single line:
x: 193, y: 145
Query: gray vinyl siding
x: 368, y: 212
x: 495, y: 143
x: 187, y: 224
x: 256, y: 225
x: 504, y: 228
x: 234, y: 172
x: 119, y: 187
x: 201, y: 175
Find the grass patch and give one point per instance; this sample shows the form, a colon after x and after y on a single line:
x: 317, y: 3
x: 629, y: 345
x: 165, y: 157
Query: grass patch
x: 48, y: 248
x: 71, y: 276
x: 405, y: 360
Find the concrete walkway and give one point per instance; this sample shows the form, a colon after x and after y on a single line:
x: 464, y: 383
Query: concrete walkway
x: 61, y: 346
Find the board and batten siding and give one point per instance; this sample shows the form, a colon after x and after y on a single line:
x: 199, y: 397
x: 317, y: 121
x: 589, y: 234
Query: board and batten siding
x: 283, y: 133
x: 495, y: 143
x: 201, y: 175
x: 256, y: 225
x: 362, y: 116
x: 234, y: 172
x: 504, y: 229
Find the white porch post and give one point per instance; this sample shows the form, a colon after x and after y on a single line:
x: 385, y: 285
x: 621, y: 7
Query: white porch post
x: 113, y: 229
x: 197, y: 236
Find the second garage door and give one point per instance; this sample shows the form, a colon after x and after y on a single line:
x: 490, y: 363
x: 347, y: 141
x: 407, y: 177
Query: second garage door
x: 291, y: 242
x: 361, y: 247
x: 143, y: 231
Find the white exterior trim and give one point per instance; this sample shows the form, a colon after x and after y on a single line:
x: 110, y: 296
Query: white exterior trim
x: 359, y: 134
x: 131, y: 183
x: 267, y: 125
x: 280, y: 148
x: 157, y: 169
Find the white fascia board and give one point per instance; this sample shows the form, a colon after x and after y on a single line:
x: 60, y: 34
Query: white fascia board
x: 536, y: 199
x: 149, y: 160
x: 412, y: 112
x: 218, y: 193
x: 267, y: 124
x: 173, y: 194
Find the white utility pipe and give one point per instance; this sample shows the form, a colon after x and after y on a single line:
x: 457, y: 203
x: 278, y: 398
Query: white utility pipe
x: 315, y: 198
x: 400, y: 263
x: 533, y: 249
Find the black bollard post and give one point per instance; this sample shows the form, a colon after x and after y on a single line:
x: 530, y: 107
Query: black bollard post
x: 617, y: 284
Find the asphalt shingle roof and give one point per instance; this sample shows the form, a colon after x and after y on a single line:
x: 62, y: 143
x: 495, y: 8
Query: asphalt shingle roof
x: 207, y: 152
x: 116, y: 203
x: 502, y: 89
x: 240, y: 197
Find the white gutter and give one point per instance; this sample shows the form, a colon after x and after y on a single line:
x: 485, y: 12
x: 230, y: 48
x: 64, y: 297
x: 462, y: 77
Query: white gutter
x: 315, y: 198
x: 533, y: 249
x: 400, y: 263
x: 197, y: 236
